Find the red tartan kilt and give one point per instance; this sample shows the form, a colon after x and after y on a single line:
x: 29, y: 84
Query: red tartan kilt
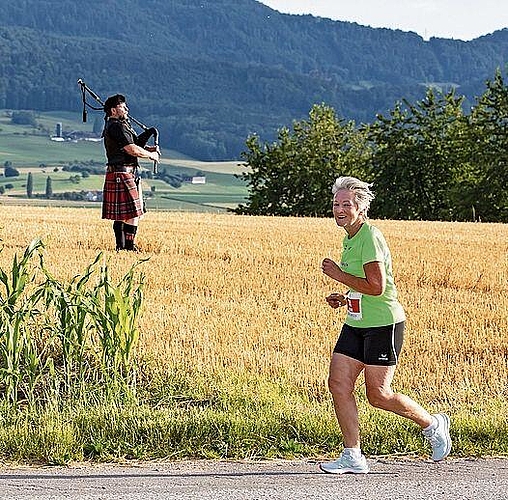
x: 120, y: 197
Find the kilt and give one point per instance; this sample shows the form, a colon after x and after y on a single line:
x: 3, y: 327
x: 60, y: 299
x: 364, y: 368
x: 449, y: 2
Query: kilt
x: 121, y: 196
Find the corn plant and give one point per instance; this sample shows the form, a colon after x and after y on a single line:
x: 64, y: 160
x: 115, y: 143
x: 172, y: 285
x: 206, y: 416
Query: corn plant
x: 69, y: 334
x: 95, y: 323
x: 18, y: 351
x: 68, y: 311
x: 115, y: 313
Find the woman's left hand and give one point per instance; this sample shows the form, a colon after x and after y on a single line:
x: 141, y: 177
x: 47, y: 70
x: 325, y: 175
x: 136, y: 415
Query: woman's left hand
x: 336, y: 300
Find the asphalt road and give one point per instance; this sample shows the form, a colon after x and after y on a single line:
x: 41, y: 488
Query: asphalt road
x: 392, y: 479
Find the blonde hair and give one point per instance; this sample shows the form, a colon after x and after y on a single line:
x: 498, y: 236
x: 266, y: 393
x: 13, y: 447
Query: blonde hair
x: 363, y: 194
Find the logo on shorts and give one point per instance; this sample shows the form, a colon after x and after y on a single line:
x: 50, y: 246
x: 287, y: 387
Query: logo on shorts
x: 383, y: 357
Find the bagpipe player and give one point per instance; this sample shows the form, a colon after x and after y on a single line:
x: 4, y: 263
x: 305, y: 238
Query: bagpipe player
x: 122, y: 199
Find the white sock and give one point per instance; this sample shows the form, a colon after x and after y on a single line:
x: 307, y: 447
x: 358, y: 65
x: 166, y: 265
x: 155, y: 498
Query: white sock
x: 432, y: 426
x: 355, y: 453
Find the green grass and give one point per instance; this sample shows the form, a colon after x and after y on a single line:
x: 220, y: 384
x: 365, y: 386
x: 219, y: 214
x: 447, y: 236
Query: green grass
x: 59, y: 180
x: 33, y: 150
x: 27, y: 148
x: 241, y: 418
x: 220, y: 192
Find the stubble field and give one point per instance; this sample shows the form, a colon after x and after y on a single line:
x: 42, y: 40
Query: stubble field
x: 234, y: 310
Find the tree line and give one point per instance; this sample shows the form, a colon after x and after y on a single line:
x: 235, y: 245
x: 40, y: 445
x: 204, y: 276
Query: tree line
x: 428, y: 160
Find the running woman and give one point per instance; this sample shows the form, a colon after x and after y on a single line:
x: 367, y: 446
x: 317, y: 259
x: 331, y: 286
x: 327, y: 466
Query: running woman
x: 372, y: 335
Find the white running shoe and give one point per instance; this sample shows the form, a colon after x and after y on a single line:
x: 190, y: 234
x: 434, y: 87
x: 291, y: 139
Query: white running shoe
x: 439, y: 437
x: 344, y: 464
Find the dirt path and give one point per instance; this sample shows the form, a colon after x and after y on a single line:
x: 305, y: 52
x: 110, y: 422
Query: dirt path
x: 299, y: 480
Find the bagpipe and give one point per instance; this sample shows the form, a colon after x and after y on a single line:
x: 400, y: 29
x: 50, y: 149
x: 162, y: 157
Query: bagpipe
x: 147, y: 131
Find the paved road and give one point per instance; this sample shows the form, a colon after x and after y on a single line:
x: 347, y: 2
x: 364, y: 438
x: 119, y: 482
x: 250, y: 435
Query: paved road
x: 278, y: 480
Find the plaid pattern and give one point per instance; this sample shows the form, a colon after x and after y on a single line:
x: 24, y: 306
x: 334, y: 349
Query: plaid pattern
x: 121, y: 198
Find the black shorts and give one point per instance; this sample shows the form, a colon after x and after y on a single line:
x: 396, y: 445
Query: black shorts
x: 379, y: 345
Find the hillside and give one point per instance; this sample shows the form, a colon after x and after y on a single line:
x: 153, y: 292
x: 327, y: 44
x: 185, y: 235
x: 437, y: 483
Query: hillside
x: 208, y: 73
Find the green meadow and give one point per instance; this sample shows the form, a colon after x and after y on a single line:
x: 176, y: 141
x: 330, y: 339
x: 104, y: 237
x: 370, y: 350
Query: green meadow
x: 30, y: 149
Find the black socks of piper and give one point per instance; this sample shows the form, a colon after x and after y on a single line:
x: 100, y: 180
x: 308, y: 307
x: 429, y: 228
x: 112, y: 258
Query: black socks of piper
x: 119, y: 236
x: 129, y: 232
x: 124, y: 235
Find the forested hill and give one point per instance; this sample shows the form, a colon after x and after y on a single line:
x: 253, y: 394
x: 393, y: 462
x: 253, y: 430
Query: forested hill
x: 208, y: 73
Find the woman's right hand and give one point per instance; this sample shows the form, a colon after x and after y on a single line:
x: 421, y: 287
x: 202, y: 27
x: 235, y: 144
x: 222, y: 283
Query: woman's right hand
x: 336, y: 300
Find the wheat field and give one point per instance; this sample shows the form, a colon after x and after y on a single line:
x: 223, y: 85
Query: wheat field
x: 228, y: 295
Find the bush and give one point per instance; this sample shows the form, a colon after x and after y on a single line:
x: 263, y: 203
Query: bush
x: 11, y: 172
x: 24, y: 118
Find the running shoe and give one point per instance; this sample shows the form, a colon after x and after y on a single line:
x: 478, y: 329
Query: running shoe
x: 439, y: 438
x: 346, y: 464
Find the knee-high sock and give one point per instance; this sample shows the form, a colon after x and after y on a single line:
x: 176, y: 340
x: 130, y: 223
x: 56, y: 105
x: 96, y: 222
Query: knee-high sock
x: 119, y: 236
x: 129, y: 232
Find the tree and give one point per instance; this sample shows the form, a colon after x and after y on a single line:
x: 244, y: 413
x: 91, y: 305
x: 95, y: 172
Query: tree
x: 294, y: 175
x: 419, y: 151
x: 49, y: 187
x: 487, y: 194
x: 24, y: 118
x: 10, y: 171
x: 29, y: 185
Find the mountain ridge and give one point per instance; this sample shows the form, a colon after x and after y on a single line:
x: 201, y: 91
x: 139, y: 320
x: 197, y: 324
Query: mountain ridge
x: 211, y: 72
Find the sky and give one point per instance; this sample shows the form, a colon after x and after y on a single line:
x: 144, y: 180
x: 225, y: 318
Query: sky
x: 458, y: 19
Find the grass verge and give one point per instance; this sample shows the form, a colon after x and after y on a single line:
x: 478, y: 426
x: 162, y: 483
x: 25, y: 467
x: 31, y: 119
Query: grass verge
x: 235, y: 419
